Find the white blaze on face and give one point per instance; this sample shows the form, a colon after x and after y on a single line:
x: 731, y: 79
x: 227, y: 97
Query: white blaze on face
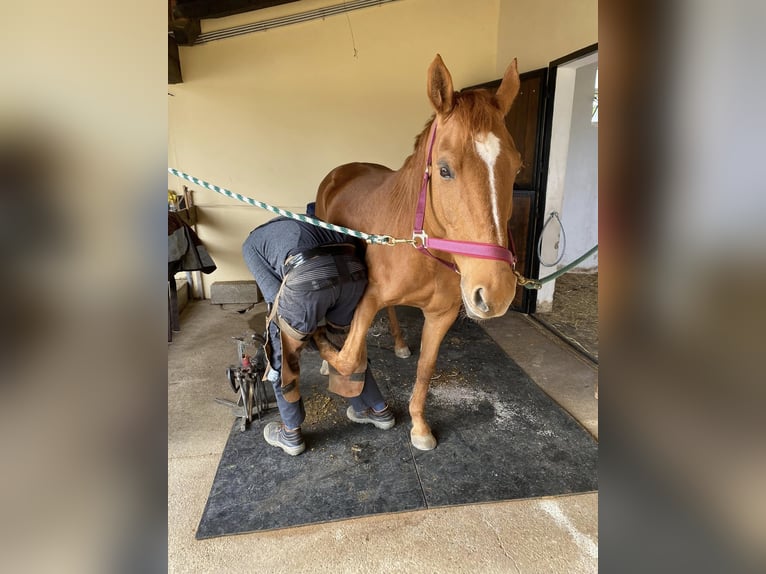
x: 488, y: 148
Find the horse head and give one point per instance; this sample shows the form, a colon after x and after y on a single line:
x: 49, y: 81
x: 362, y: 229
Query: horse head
x: 474, y: 165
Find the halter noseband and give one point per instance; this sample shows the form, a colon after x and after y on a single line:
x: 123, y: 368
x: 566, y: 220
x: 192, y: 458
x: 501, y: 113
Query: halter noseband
x: 470, y: 248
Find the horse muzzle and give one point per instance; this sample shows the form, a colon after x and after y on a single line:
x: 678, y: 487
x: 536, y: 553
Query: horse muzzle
x: 488, y: 299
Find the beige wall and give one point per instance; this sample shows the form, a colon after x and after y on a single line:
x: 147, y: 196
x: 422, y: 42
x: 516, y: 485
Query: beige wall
x: 268, y: 114
x: 540, y: 31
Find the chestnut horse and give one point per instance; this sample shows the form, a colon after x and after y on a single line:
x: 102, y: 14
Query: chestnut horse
x: 474, y: 164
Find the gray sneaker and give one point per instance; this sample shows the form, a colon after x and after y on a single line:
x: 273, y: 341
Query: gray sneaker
x: 383, y: 420
x: 289, y: 441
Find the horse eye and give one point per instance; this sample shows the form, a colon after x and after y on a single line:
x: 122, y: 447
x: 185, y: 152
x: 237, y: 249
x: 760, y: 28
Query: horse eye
x: 444, y: 172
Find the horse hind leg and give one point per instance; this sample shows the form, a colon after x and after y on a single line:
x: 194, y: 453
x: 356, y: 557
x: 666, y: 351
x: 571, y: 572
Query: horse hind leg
x: 434, y: 329
x: 400, y: 345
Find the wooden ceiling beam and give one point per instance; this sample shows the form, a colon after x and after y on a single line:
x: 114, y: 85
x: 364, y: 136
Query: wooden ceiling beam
x: 199, y: 9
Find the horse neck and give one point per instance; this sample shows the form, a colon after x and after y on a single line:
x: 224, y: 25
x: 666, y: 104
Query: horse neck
x: 407, y: 182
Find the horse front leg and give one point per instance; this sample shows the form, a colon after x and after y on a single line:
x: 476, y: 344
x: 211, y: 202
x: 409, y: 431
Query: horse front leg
x: 435, y: 327
x: 400, y: 345
x: 353, y: 356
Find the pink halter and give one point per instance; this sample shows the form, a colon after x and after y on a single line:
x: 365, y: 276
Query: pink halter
x: 469, y: 248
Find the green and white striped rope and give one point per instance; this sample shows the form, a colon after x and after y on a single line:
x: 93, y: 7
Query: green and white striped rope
x: 381, y: 239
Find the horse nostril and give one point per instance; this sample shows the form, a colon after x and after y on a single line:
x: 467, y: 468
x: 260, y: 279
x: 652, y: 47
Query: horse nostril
x: 478, y: 300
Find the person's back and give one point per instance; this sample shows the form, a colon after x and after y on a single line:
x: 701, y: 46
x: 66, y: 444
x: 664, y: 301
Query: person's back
x: 271, y: 244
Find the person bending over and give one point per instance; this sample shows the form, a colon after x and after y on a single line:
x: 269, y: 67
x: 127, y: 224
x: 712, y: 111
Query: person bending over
x: 306, y: 274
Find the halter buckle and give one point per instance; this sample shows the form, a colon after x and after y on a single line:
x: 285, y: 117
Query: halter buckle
x: 422, y: 235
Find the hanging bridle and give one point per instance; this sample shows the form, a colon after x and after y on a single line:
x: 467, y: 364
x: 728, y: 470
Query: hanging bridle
x: 422, y: 241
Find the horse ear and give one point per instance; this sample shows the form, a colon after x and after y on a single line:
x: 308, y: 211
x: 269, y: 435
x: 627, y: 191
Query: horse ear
x: 440, y: 90
x: 508, y: 89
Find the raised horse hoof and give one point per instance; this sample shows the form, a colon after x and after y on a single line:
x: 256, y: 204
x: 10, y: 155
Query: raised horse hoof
x: 402, y: 352
x: 423, y: 442
x: 324, y: 369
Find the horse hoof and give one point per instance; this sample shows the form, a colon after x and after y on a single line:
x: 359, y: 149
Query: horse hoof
x: 423, y: 442
x: 402, y: 352
x: 324, y: 369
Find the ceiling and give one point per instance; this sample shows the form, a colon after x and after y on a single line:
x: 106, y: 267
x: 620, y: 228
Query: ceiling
x: 197, y: 9
x: 184, y: 23
x: 184, y: 15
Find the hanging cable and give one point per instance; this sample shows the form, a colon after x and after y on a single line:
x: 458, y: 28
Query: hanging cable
x: 562, y: 243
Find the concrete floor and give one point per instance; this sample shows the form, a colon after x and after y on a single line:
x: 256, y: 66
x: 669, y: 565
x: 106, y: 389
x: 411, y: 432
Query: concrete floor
x: 554, y: 534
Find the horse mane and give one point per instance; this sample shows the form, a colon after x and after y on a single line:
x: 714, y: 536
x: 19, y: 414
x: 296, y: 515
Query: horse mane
x: 473, y: 112
x: 404, y: 194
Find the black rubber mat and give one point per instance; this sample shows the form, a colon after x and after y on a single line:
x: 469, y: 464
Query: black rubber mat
x: 499, y: 437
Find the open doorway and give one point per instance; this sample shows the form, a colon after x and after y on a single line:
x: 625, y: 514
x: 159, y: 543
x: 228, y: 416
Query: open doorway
x: 569, y: 217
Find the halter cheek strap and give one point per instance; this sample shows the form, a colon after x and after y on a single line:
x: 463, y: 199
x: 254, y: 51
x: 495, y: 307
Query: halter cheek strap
x: 469, y: 248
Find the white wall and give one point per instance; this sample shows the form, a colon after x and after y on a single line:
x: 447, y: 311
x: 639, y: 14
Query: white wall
x: 572, y: 186
x: 579, y: 213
